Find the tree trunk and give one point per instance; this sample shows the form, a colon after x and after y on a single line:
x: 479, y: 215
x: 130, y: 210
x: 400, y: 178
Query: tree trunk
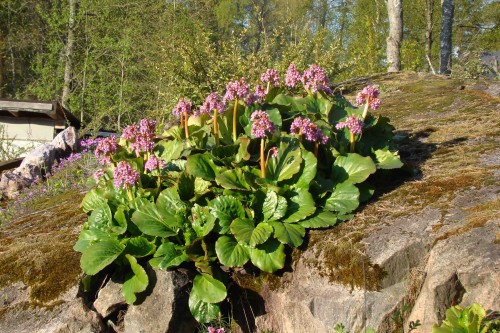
x: 395, y: 12
x: 1, y: 65
x: 68, y: 68
x: 429, y: 12
x: 447, y: 10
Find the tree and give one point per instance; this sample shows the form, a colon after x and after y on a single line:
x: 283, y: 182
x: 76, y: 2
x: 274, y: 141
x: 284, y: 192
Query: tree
x: 68, y: 68
x: 448, y: 8
x: 395, y: 13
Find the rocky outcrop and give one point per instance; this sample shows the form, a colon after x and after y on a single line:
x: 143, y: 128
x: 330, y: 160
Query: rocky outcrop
x: 38, y: 161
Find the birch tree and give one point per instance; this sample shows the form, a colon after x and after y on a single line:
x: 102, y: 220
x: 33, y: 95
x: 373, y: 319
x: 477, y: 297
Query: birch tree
x: 395, y: 13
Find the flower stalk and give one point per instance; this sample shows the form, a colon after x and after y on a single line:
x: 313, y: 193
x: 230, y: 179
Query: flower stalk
x: 352, y: 141
x: 216, y: 128
x: 262, y: 160
x: 186, y: 131
x: 234, y: 118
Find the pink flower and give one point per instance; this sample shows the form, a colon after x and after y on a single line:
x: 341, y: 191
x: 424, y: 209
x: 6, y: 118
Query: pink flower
x: 274, y: 152
x: 314, y: 79
x: 353, y: 123
x: 104, y: 149
x: 369, y: 94
x: 124, y: 175
x: 98, y: 174
x: 261, y: 124
x: 292, y: 76
x: 182, y: 107
x: 258, y: 96
x: 153, y: 163
x: 236, y: 89
x: 271, y: 76
x: 213, y: 330
x: 309, y: 130
x: 141, y: 137
x: 212, y: 102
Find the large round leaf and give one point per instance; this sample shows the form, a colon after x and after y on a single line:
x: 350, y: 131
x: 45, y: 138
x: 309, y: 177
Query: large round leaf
x: 99, y: 255
x: 308, y: 170
x: 242, y: 229
x: 288, y: 233
x: 269, y: 257
x: 92, y: 200
x: 300, y: 205
x: 203, y: 221
x: 230, y: 252
x: 155, y: 221
x: 226, y: 209
x: 288, y: 162
x: 209, y: 289
x: 323, y: 219
x: 202, y: 311
x: 260, y: 234
x: 139, y: 246
x: 387, y: 159
x: 352, y: 168
x: 201, y: 165
x: 233, y: 180
x: 344, y: 199
x: 136, y: 282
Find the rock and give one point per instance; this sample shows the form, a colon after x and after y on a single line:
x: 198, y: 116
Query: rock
x: 165, y: 309
x: 109, y: 299
x: 37, y: 162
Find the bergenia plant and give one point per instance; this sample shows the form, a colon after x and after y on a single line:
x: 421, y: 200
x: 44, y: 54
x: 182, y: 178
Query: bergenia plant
x: 369, y: 98
x: 211, y: 200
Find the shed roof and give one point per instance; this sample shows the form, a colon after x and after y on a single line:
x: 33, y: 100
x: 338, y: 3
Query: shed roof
x: 53, y: 110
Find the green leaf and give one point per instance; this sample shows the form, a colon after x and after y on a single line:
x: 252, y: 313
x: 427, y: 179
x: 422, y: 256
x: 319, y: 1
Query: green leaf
x: 243, y: 154
x: 242, y: 229
x: 135, y: 282
x: 274, y: 115
x: 387, y: 159
x: 92, y: 200
x: 169, y: 256
x: 90, y: 236
x: 169, y: 150
x: 288, y: 162
x: 170, y: 201
x: 209, y: 289
x: 269, y: 205
x: 185, y: 186
x: 260, y: 234
x: 353, y: 166
x: 203, y: 312
x: 282, y: 99
x: 139, y: 246
x: 201, y: 165
x: 281, y: 209
x: 344, y: 199
x: 300, y: 205
x: 323, y: 219
x: 232, y: 179
x: 287, y: 233
x: 119, y: 223
x: 308, y: 170
x: 230, y: 252
x: 201, y: 186
x: 203, y: 221
x: 155, y: 222
x: 269, y: 257
x: 226, y: 208
x: 99, y: 255
x: 101, y: 217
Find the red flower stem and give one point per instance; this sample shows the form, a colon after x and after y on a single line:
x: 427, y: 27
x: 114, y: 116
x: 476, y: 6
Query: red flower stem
x: 234, y: 118
x: 262, y: 160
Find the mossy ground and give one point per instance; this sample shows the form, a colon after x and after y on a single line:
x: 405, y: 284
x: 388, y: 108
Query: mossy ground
x: 37, y: 248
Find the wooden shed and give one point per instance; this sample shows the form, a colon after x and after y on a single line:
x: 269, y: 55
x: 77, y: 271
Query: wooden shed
x: 27, y: 124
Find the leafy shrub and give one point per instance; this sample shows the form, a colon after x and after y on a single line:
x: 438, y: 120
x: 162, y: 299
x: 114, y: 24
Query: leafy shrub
x: 239, y: 179
x: 471, y: 319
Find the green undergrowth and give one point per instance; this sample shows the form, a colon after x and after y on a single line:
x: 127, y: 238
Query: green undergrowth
x: 36, y: 249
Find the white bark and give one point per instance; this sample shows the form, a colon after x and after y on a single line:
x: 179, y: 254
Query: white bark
x: 68, y: 67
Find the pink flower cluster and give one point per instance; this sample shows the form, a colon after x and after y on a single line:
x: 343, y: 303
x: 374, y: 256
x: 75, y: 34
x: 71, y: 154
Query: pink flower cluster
x: 308, y: 129
x: 261, y: 124
x: 369, y: 94
x: 182, y: 107
x: 212, y: 102
x: 154, y: 163
x: 353, y: 123
x: 141, y: 137
x: 258, y: 96
x: 314, y: 79
x: 293, y: 76
x: 104, y: 149
x: 271, y: 76
x: 124, y: 175
x: 98, y: 174
x: 274, y: 152
x: 213, y: 330
x: 89, y: 144
x: 236, y: 89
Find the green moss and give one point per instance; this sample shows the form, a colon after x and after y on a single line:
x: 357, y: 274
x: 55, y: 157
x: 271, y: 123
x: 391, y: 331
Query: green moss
x: 37, y: 248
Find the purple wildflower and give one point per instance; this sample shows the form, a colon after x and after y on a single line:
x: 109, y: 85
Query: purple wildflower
x: 182, y: 107
x: 261, y: 124
x: 369, y: 94
x: 353, y: 123
x: 153, y: 163
x: 292, y: 76
x: 89, y: 144
x: 274, y: 152
x: 309, y: 130
x: 124, y: 175
x: 104, y: 149
x: 236, y: 89
x: 141, y: 137
x: 98, y: 174
x: 213, y: 330
x: 212, y: 102
x: 314, y: 79
x: 271, y: 76
x: 258, y: 96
